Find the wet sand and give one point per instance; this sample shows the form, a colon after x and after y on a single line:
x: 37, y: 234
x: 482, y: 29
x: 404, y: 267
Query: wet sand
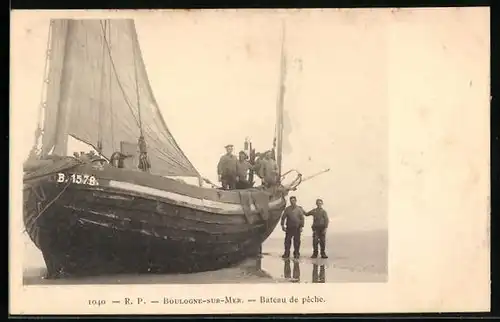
x: 357, y: 257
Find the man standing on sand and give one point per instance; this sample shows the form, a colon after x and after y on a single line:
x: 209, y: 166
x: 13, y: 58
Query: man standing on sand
x: 292, y: 223
x: 319, y: 227
x: 226, y: 168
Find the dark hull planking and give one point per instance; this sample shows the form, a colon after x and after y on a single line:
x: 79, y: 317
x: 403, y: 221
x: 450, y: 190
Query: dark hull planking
x: 104, y: 230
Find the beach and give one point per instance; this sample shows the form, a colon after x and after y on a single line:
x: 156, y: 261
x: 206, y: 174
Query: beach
x: 354, y: 257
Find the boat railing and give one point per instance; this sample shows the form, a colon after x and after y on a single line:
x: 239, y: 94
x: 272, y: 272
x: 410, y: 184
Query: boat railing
x: 295, y: 182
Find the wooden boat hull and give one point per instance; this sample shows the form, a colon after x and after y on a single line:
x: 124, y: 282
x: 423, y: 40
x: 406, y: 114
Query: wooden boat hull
x: 126, y: 226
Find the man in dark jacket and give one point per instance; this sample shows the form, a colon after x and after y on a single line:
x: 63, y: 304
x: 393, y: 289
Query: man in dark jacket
x: 292, y: 222
x: 319, y: 227
x: 226, y: 168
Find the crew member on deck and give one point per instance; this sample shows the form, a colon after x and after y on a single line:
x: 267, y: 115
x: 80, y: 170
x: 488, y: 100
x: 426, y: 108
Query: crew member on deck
x: 257, y: 166
x: 269, y: 170
x: 92, y: 155
x: 242, y: 167
x: 84, y: 157
x: 226, y: 169
x: 117, y: 159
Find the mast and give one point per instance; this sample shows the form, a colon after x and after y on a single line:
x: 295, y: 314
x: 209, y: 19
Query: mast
x: 278, y: 140
x: 101, y: 85
x: 34, y: 153
x: 64, y: 113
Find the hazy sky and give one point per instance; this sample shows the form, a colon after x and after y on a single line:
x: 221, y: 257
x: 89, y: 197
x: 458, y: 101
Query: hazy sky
x: 215, y: 77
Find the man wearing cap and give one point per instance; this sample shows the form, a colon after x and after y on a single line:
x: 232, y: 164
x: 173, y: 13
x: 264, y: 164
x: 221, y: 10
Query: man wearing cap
x: 226, y: 169
x: 292, y: 222
x: 319, y: 227
x: 242, y: 167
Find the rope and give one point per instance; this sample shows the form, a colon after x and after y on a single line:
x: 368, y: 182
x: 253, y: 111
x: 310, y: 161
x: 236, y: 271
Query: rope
x: 118, y: 80
x: 137, y: 89
x: 45, y: 81
x: 101, y: 83
x: 32, y: 222
x: 144, y: 163
x: 110, y: 93
x: 295, y: 183
x: 40, y: 197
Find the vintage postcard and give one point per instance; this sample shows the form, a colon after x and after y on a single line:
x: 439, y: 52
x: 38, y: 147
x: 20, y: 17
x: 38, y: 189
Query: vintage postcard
x: 250, y: 161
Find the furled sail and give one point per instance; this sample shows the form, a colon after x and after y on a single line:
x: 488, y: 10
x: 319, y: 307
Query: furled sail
x: 99, y: 93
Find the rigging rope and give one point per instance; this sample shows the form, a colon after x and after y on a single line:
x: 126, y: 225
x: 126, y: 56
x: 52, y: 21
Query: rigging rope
x: 30, y: 224
x: 118, y: 79
x: 137, y: 88
x: 110, y: 92
x: 144, y: 163
x: 137, y: 115
x: 43, y: 103
x: 101, y: 84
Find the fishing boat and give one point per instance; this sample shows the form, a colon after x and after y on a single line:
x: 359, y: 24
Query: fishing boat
x: 90, y: 217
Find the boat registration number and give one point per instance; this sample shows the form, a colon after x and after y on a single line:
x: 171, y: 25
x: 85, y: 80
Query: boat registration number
x: 77, y: 178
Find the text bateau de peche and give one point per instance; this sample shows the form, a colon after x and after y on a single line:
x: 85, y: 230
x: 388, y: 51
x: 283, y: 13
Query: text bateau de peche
x: 272, y: 300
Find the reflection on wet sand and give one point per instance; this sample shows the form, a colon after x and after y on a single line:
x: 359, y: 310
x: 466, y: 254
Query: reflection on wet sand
x: 318, y: 272
x: 287, y: 271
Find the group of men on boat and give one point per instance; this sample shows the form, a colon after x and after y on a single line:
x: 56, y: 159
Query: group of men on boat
x: 235, y: 172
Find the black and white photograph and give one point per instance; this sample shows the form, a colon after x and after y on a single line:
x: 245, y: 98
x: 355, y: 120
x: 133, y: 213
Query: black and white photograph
x: 217, y: 146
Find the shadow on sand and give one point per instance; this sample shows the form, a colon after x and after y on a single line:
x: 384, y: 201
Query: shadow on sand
x: 361, y: 258
x: 248, y: 271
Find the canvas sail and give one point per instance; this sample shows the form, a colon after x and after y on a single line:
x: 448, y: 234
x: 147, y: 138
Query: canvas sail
x: 55, y: 57
x: 99, y: 93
